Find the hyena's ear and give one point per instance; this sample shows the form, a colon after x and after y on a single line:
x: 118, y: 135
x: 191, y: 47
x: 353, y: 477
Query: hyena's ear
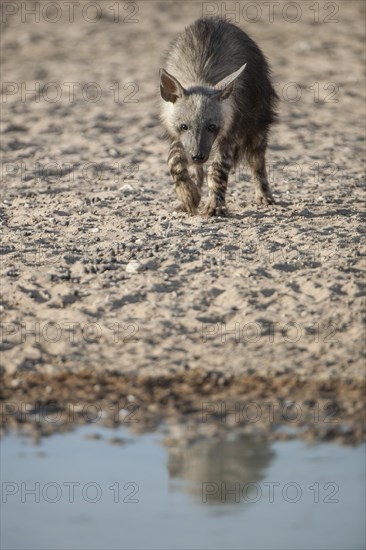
x: 226, y: 85
x: 170, y: 88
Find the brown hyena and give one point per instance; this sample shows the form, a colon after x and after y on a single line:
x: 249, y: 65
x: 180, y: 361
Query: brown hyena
x: 217, y: 104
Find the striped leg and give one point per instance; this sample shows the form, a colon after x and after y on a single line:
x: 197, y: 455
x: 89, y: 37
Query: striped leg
x: 257, y: 161
x: 218, y: 174
x: 188, y: 192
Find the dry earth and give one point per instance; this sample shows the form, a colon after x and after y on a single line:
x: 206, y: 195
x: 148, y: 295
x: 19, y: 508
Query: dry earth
x: 98, y: 274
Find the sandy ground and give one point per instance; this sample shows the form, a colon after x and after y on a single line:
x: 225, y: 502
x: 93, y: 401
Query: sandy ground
x: 98, y: 274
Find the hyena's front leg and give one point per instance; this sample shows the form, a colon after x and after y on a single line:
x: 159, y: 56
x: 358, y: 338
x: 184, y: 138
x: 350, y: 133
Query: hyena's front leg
x: 188, y: 192
x: 218, y: 174
x: 256, y: 156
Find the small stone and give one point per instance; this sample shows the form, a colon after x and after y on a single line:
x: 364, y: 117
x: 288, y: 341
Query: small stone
x: 123, y: 413
x: 305, y: 212
x: 134, y: 267
x: 127, y: 189
x: 113, y: 152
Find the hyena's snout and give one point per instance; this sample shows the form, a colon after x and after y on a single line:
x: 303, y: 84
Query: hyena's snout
x: 199, y: 150
x: 199, y: 158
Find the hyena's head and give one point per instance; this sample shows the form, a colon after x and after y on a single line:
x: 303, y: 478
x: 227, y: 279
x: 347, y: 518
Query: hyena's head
x: 197, y: 116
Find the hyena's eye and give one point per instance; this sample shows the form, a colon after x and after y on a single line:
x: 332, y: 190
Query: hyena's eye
x: 183, y: 127
x: 212, y: 128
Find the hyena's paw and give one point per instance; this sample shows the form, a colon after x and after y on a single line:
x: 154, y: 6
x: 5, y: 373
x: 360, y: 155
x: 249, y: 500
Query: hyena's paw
x: 213, y: 209
x: 177, y: 209
x: 190, y: 196
x: 264, y: 199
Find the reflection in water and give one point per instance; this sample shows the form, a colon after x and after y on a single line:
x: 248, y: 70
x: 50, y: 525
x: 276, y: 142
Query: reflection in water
x: 219, y: 471
x: 160, y: 518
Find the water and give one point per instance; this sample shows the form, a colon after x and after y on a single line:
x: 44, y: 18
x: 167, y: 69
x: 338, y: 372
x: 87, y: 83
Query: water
x: 140, y: 493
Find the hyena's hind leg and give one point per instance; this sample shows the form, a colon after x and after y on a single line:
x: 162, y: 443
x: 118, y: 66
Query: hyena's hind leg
x: 197, y: 175
x: 256, y: 156
x: 218, y: 174
x: 187, y: 191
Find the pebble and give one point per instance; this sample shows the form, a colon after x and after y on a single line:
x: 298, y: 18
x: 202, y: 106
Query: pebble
x: 305, y: 212
x: 134, y: 267
x: 113, y: 152
x: 127, y: 189
x: 123, y: 413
